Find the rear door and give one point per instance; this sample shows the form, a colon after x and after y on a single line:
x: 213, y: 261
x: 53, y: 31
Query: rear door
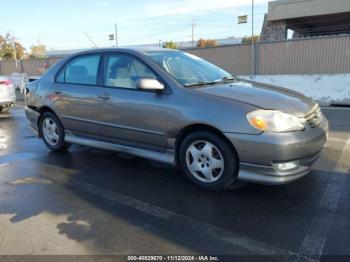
x: 76, y: 95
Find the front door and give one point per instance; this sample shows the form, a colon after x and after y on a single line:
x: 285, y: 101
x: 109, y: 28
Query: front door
x: 130, y: 116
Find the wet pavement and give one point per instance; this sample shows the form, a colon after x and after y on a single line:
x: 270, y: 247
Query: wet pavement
x: 90, y: 201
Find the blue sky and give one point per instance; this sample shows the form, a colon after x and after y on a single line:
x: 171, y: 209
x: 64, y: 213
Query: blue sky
x: 61, y: 24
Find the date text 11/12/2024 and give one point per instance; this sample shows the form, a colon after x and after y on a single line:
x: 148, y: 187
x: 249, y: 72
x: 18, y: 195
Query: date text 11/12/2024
x: 173, y: 258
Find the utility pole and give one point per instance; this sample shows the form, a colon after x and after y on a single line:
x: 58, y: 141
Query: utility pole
x: 253, y: 53
x: 116, y: 34
x: 192, y: 26
x: 14, y: 52
x: 160, y: 42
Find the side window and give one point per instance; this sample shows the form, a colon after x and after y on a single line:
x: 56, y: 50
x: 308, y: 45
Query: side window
x: 82, y: 70
x: 124, y: 71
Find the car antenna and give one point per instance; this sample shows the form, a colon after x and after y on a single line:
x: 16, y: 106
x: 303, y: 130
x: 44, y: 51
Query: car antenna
x: 90, y: 39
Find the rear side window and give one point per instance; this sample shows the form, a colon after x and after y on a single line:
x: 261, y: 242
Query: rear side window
x: 82, y: 70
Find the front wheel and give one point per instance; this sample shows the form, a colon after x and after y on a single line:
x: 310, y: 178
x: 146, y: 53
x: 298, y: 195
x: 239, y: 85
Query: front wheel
x: 208, y: 160
x: 52, y: 132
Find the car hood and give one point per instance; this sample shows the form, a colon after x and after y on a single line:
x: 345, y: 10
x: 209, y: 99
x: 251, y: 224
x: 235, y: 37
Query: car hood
x: 263, y: 95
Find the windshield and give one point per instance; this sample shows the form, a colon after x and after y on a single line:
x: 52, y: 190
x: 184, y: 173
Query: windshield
x: 189, y: 70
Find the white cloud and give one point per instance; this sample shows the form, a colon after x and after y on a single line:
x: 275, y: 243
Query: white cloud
x: 178, y: 7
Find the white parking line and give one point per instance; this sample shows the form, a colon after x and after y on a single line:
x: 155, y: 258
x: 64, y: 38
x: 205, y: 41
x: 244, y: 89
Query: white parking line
x: 316, y: 238
x: 257, y: 247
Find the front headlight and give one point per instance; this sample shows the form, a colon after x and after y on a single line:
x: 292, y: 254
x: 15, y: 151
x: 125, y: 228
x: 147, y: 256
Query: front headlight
x: 275, y: 121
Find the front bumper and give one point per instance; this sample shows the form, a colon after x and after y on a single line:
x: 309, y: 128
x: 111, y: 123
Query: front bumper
x: 257, y: 153
x: 270, y: 176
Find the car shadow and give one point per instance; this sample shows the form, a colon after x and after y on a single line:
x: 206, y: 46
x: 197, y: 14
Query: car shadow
x: 270, y: 214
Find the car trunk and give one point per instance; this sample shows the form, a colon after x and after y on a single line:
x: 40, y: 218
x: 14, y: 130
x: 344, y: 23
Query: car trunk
x: 7, y: 92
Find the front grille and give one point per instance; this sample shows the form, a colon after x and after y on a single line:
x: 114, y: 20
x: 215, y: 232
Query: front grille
x: 314, y: 118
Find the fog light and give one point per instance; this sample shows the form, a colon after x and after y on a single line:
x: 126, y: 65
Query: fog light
x: 286, y: 165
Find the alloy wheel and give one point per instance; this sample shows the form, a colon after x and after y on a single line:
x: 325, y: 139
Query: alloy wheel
x: 50, y: 131
x: 205, y: 161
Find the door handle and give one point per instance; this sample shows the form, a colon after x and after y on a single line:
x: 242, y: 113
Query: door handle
x: 105, y: 97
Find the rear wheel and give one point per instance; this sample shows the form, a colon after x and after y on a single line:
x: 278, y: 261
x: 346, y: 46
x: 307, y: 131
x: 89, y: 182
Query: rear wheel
x: 52, y: 132
x: 208, y: 160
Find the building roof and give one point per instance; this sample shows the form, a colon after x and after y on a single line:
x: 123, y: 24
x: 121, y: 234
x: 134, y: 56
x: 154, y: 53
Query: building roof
x: 289, y: 9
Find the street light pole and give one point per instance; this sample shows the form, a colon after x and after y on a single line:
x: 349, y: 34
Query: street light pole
x: 252, y: 40
x: 192, y: 34
x: 116, y: 34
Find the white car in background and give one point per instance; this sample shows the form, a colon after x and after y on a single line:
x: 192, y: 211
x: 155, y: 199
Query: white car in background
x: 7, y: 94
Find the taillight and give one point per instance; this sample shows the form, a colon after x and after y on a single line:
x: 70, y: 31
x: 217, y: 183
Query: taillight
x: 6, y: 82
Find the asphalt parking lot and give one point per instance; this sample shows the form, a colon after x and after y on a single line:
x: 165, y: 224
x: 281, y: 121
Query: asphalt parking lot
x: 89, y: 201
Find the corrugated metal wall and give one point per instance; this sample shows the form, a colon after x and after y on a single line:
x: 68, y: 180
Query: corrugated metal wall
x: 29, y: 66
x: 235, y: 58
x: 326, y: 55
x: 9, y: 67
x: 312, y: 56
x: 308, y: 56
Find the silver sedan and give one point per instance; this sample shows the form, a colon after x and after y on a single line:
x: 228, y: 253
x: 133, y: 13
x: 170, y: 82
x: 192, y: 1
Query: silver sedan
x: 173, y: 107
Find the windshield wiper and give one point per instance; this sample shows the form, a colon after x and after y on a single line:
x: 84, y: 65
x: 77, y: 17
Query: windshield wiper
x: 201, y: 83
x: 225, y: 79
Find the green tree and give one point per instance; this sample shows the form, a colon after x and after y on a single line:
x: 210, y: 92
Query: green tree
x: 8, y: 45
x: 38, y: 51
x: 170, y: 44
x: 248, y: 39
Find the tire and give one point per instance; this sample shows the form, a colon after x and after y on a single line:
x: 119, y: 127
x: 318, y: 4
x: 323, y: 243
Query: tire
x: 52, y: 132
x: 208, y: 161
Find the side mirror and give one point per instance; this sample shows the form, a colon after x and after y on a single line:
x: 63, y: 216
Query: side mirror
x: 149, y: 84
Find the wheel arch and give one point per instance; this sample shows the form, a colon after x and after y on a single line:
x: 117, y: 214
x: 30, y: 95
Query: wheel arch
x: 41, y: 111
x: 197, y: 128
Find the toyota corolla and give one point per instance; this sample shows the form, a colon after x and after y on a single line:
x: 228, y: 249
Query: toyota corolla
x: 176, y: 108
